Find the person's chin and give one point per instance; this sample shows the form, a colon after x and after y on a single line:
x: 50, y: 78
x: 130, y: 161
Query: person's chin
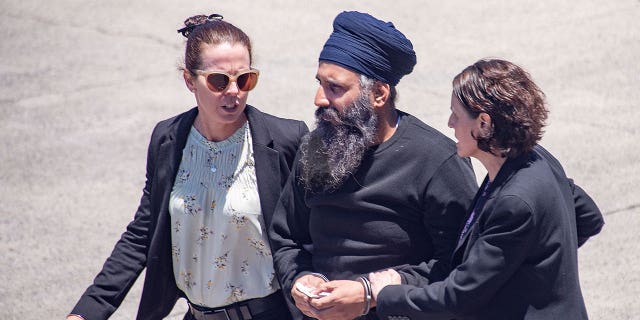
x: 230, y: 114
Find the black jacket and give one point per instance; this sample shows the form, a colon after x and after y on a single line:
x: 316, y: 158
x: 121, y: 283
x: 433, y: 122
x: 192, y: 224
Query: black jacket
x: 147, y: 240
x: 519, y: 258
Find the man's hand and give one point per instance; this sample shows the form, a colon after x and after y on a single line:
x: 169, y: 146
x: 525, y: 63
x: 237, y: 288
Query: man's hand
x: 382, y: 279
x: 345, y: 301
x: 302, y: 300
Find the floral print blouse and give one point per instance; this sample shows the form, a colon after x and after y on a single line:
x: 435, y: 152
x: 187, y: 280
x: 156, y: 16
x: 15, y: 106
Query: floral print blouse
x: 220, y: 249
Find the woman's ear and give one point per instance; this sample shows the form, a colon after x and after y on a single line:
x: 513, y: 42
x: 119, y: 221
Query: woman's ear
x: 381, y: 92
x: 485, y: 122
x: 189, y: 80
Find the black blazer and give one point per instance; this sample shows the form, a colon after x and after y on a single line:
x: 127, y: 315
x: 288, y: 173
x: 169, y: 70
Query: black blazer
x: 147, y: 240
x: 519, y: 258
x: 589, y: 219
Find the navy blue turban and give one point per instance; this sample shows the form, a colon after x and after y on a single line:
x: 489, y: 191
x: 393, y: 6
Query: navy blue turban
x: 370, y: 47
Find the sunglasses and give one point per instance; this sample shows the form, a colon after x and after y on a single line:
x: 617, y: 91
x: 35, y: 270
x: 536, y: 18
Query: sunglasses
x: 218, y: 81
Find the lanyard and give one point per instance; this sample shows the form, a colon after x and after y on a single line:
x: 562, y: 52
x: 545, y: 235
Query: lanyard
x: 476, y: 207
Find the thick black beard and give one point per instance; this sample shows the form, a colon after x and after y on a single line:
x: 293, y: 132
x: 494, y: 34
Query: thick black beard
x: 334, y: 150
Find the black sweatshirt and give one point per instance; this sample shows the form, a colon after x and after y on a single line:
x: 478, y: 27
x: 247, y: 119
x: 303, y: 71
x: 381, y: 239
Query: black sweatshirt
x: 403, y: 208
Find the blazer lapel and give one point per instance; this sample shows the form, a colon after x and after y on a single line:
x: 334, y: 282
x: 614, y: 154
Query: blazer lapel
x: 462, y: 241
x: 508, y: 169
x: 266, y: 161
x: 265, y: 157
x: 170, y: 154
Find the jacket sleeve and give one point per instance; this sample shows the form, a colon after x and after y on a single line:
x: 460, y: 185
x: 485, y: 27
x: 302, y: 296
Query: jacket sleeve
x: 126, y: 262
x: 589, y: 220
x: 502, y: 246
x: 290, y: 152
x: 448, y: 197
x: 289, y: 232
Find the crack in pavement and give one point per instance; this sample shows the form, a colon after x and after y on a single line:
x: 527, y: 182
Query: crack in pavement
x: 82, y: 88
x: 97, y: 29
x: 630, y: 207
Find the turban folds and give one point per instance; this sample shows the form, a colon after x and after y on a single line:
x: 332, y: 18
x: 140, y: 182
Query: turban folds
x: 370, y: 47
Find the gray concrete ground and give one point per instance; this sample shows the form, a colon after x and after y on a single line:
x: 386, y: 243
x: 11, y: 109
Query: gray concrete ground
x: 82, y: 84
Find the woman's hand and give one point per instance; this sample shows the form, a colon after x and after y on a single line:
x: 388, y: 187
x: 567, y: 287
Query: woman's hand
x: 382, y: 279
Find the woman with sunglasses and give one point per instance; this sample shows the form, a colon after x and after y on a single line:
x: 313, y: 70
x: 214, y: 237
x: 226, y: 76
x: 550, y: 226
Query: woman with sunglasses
x: 517, y: 253
x: 214, y: 174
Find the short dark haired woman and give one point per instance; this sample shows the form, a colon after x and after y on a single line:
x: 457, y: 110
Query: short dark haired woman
x: 516, y: 256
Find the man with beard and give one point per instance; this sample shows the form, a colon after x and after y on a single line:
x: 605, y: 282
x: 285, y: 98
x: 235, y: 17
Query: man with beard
x: 373, y: 187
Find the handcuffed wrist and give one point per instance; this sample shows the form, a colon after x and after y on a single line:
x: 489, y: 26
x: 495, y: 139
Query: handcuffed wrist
x: 367, y: 294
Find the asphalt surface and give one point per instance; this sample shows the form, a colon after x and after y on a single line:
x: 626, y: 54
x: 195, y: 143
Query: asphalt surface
x: 82, y: 83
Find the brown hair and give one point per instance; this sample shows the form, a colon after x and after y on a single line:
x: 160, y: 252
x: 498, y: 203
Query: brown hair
x: 211, y: 30
x: 514, y: 102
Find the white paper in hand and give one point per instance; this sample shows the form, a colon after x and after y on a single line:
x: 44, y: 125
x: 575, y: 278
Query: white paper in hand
x: 307, y: 291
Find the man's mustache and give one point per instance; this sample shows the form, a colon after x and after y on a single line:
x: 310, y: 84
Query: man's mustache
x: 328, y: 114
x: 332, y: 116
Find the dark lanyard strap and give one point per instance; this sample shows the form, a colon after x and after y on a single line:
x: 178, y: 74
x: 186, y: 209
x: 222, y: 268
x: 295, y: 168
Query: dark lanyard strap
x: 476, y: 208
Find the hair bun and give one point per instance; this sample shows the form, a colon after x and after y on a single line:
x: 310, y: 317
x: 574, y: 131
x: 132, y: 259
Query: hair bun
x: 198, y: 20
